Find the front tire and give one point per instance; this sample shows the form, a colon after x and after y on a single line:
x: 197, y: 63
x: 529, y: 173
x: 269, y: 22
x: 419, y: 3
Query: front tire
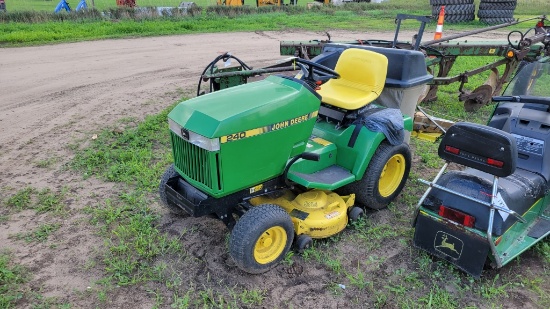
x: 261, y: 238
x: 384, y: 178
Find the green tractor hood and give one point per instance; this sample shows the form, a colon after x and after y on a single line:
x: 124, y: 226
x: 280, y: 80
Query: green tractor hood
x: 249, y: 132
x: 263, y: 103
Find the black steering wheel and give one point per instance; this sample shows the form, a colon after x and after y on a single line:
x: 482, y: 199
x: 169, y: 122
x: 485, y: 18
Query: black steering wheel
x: 314, y: 72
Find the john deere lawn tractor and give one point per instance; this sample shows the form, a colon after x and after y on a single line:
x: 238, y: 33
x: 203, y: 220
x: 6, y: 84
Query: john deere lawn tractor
x: 284, y: 160
x: 498, y: 206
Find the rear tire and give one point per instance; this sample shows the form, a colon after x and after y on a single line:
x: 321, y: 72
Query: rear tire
x: 496, y: 21
x: 169, y: 173
x: 384, y: 178
x: 499, y: 1
x: 450, y: 2
x: 460, y: 9
x: 497, y: 6
x: 459, y: 18
x: 495, y: 13
x: 261, y: 238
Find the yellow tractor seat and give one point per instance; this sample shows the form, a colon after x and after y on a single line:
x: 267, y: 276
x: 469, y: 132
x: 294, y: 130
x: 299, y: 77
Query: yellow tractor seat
x: 362, y: 77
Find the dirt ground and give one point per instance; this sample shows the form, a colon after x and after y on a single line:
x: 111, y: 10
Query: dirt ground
x: 55, y: 95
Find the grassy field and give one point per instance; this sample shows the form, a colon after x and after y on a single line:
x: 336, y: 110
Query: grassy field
x: 524, y: 6
x: 49, y: 5
x: 30, y: 22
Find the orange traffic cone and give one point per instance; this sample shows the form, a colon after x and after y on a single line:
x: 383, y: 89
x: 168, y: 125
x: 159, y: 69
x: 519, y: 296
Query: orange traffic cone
x: 439, y: 28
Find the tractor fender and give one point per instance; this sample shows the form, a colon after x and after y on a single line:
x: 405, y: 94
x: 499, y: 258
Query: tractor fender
x: 365, y: 146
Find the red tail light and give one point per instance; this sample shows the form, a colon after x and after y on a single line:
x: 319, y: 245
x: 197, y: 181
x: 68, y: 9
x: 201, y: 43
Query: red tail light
x: 452, y: 149
x: 457, y: 216
x: 494, y: 162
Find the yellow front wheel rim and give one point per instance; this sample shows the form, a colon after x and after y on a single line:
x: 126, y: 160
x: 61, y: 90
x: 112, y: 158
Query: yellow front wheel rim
x: 391, y: 175
x: 270, y: 245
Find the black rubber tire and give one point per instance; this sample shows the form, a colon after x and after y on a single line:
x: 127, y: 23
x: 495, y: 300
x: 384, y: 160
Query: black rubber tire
x: 495, y: 13
x: 496, y: 21
x: 458, y: 18
x: 169, y: 173
x: 461, y: 9
x: 250, y: 228
x: 303, y: 242
x: 497, y: 5
x: 366, y: 190
x: 355, y: 213
x: 450, y: 2
x: 498, y: 1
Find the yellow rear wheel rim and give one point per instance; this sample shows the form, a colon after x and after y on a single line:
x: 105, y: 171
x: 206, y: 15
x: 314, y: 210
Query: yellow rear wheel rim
x: 270, y: 245
x: 391, y: 175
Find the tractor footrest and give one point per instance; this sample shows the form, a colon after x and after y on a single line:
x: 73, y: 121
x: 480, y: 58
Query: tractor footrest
x: 328, y: 178
x: 540, y: 229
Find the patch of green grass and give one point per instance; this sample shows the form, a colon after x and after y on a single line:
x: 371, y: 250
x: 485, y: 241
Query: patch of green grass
x: 334, y: 265
x: 374, y: 235
x: 359, y: 279
x: 46, y: 163
x: 539, y: 286
x: 51, y: 201
x: 493, y: 289
x: 438, y: 298
x: 45, y: 200
x: 312, y: 254
x: 41, y: 233
x: 12, y: 278
x: 181, y: 302
x: 288, y: 260
x: 137, y: 155
x: 427, y: 152
x: 133, y: 242
x: 543, y: 248
x: 21, y: 199
x: 252, y: 297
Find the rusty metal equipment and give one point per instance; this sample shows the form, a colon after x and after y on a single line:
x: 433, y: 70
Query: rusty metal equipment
x: 260, y: 3
x: 230, y: 2
x: 442, y: 54
x: 128, y: 3
x: 219, y: 78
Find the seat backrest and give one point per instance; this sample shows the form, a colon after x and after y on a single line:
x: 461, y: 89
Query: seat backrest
x: 362, y: 77
x: 364, y: 68
x: 481, y: 147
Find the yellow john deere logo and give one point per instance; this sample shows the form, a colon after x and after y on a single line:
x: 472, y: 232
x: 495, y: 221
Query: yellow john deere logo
x: 272, y: 127
x: 448, y: 244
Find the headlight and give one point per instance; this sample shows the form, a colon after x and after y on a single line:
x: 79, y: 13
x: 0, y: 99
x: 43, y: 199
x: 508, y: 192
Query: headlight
x: 211, y: 144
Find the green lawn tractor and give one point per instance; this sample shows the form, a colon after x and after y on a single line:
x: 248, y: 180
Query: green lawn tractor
x: 496, y: 208
x: 284, y: 160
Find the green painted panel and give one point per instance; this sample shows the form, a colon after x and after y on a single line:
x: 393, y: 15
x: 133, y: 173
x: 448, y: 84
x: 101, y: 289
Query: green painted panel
x: 247, y: 162
x: 354, y: 159
x: 245, y: 107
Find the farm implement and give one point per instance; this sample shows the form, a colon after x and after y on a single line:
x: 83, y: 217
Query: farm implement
x: 496, y: 208
x: 443, y: 53
x: 440, y: 56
